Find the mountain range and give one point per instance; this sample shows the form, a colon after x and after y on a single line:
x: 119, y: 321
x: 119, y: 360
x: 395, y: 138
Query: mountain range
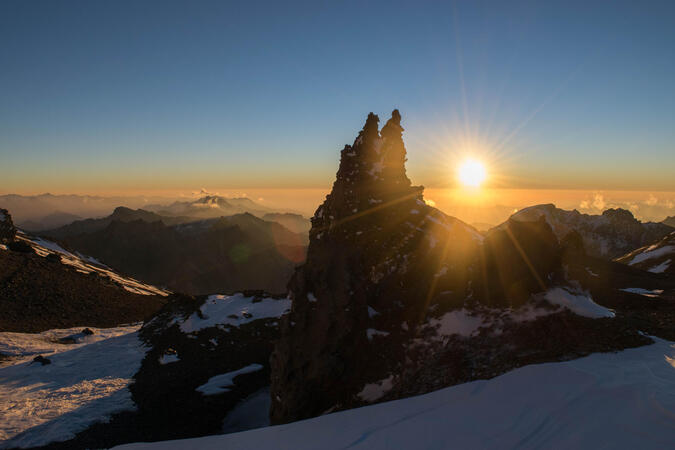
x: 384, y: 299
x: 609, y: 235
x: 210, y: 206
x: 211, y: 255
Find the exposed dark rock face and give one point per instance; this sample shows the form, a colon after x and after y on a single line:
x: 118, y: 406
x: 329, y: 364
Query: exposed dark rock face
x: 396, y: 298
x: 7, y: 229
x: 379, y: 261
x: 373, y: 247
x: 169, y: 407
x: 518, y: 259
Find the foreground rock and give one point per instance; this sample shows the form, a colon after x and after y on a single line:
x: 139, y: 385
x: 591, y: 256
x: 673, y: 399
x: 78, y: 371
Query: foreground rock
x: 206, y: 356
x: 396, y: 298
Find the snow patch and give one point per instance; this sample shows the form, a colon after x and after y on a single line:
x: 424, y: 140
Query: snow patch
x: 458, y: 322
x: 579, y: 303
x: 51, y: 403
x: 650, y: 254
x: 372, y: 332
x: 217, y: 310
x: 222, y: 383
x: 23, y: 346
x: 661, y: 267
x: 251, y: 412
x: 169, y: 358
x: 645, y: 292
x: 590, y: 272
x: 375, y: 391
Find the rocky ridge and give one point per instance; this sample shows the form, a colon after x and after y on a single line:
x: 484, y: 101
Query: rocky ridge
x: 613, y: 233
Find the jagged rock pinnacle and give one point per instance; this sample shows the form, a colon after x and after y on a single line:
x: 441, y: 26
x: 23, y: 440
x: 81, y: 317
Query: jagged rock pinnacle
x: 372, y: 247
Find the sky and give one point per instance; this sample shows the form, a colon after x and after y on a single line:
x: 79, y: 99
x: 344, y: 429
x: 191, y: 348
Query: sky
x: 137, y: 96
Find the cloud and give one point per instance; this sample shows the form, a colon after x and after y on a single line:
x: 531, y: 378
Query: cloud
x: 599, y: 201
x: 429, y: 202
x: 595, y: 204
x: 651, y: 201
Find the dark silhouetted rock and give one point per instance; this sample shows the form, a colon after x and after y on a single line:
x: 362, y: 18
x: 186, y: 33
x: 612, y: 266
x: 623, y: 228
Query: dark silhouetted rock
x: 42, y: 360
x: 20, y: 247
x: 53, y: 257
x: 374, y: 246
x: 573, y: 243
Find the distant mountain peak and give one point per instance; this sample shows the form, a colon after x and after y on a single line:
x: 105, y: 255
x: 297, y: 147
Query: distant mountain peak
x: 619, y: 214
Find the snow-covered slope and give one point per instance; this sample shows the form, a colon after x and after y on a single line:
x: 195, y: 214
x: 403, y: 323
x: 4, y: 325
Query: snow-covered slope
x: 86, y: 264
x: 656, y: 258
x: 85, y: 382
x: 609, y: 235
x: 612, y: 400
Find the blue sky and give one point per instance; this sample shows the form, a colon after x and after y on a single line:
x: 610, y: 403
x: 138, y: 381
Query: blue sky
x: 99, y: 96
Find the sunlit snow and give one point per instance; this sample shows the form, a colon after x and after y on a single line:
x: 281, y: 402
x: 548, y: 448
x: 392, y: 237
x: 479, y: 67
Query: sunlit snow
x: 619, y: 400
x: 84, y: 383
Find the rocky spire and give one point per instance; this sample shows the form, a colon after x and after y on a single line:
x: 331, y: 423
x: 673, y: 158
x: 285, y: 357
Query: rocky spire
x: 371, y: 259
x: 371, y: 175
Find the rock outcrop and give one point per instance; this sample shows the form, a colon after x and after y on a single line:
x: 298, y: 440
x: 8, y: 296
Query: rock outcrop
x: 379, y: 263
x: 396, y: 298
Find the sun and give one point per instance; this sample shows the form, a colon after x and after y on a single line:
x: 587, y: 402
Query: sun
x: 471, y: 173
